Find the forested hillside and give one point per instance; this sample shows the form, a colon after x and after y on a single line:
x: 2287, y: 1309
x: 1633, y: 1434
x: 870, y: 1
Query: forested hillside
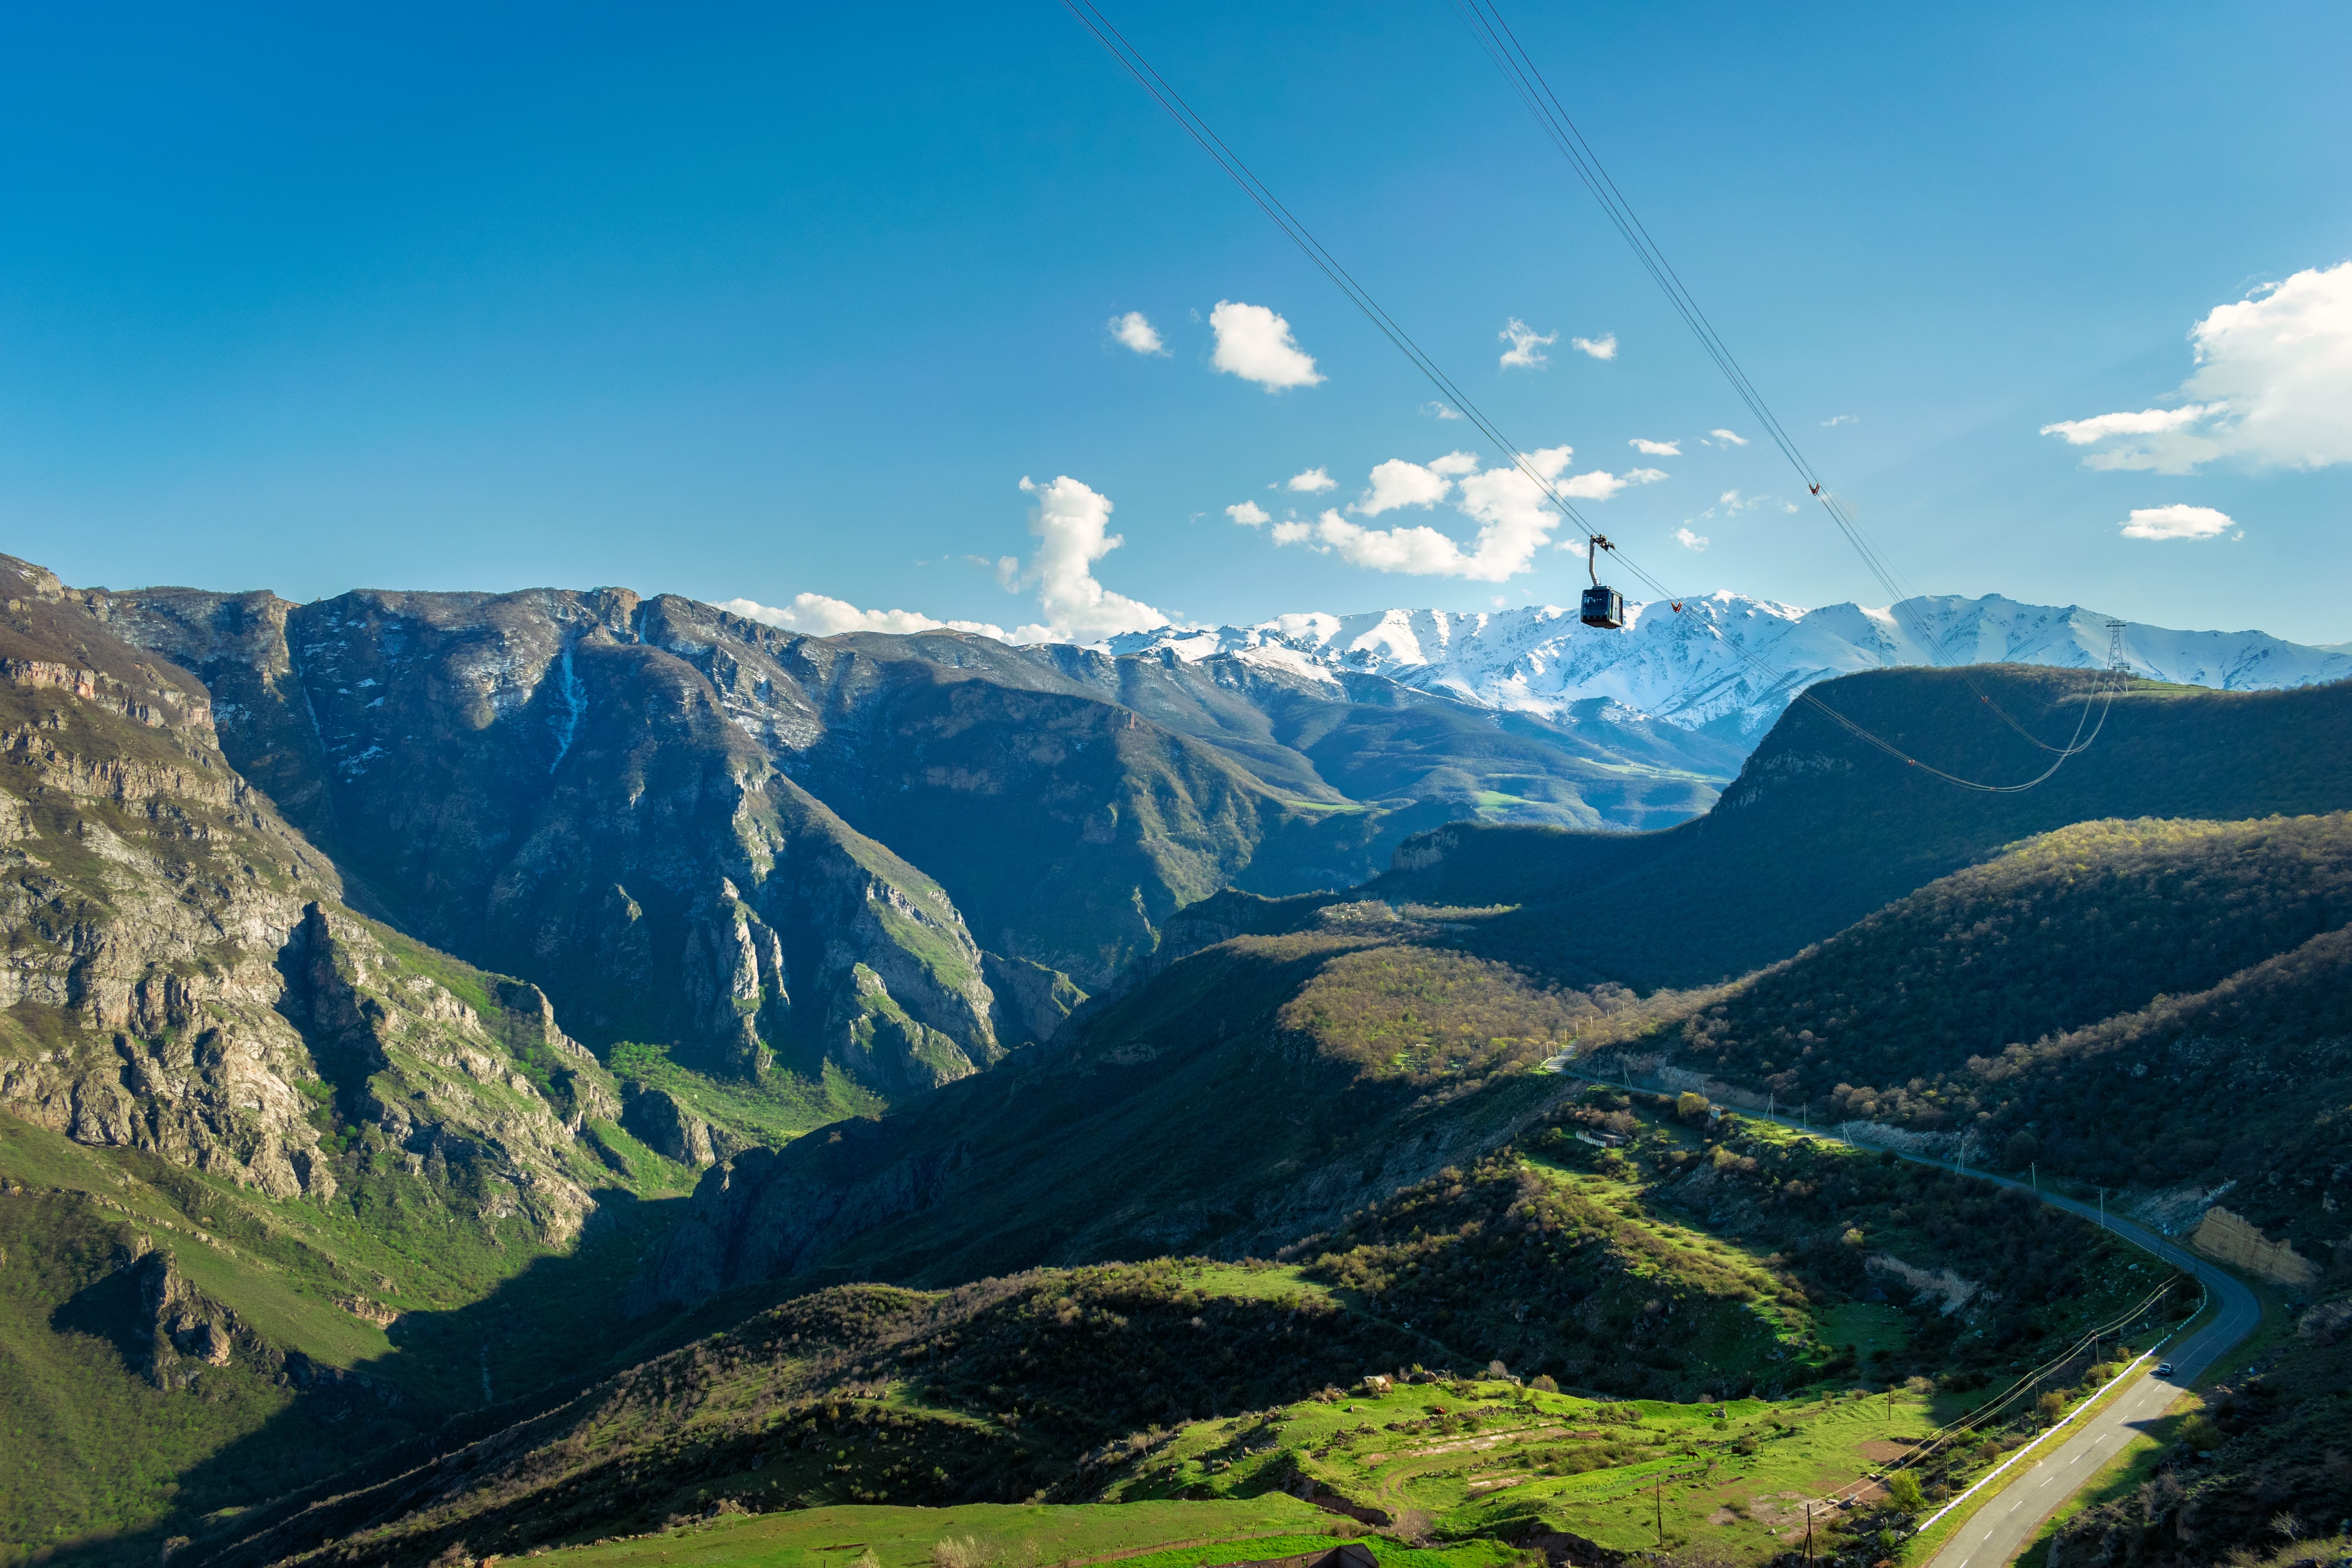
x: 1820, y: 828
x: 2134, y: 1004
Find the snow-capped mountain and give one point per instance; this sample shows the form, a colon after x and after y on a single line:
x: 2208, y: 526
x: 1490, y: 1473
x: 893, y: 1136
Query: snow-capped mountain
x: 1697, y: 666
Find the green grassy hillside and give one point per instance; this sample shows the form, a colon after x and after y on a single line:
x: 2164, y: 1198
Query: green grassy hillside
x: 1200, y: 1113
x: 119, y: 1439
x: 1656, y: 1274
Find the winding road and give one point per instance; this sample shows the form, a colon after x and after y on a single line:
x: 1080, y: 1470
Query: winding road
x: 1999, y: 1529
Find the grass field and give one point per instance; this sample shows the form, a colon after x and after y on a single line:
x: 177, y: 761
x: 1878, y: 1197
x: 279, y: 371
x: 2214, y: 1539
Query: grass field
x: 1171, y: 1533
x: 1135, y: 1535
x: 1474, y: 1456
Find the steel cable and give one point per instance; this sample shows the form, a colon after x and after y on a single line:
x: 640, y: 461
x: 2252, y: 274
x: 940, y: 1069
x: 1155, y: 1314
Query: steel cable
x: 1134, y: 62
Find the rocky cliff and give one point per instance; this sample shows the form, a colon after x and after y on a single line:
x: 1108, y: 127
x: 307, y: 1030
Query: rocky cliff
x: 584, y: 788
x: 184, y: 978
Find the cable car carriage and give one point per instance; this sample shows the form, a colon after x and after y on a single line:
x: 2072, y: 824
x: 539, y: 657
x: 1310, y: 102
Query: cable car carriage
x: 1603, y: 605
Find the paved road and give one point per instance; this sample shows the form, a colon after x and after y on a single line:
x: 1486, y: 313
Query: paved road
x: 2000, y: 1529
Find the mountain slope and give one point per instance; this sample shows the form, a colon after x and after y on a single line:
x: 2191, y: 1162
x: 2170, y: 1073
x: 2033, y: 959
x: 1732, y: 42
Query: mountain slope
x: 564, y: 783
x: 539, y: 782
x: 1278, y: 1061
x: 1820, y: 828
x: 250, y: 1140
x: 2137, y: 1003
x: 1185, y: 1119
x: 1681, y: 667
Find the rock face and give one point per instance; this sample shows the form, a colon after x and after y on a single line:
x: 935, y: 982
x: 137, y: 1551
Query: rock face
x: 2232, y: 1239
x: 666, y: 1127
x: 1033, y: 1002
x: 184, y: 978
x: 586, y: 788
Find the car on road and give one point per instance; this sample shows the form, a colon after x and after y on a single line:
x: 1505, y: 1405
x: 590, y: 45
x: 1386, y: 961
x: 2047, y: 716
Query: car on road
x: 2164, y: 1369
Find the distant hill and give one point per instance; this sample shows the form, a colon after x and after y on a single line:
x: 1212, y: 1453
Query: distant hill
x: 1820, y: 828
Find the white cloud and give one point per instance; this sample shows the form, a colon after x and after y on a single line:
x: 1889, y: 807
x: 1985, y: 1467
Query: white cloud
x: 1136, y: 332
x: 2162, y: 439
x: 1599, y: 484
x: 1510, y: 506
x: 1313, y: 481
x: 1645, y: 476
x: 1656, y: 449
x: 2177, y: 522
x: 1689, y: 540
x: 1528, y: 345
x: 1834, y: 420
x: 1602, y: 347
x: 1256, y: 344
x: 1249, y: 514
x: 818, y: 615
x: 2272, y: 387
x: 1439, y: 411
x: 1072, y: 523
x: 1397, y: 483
x: 1725, y: 439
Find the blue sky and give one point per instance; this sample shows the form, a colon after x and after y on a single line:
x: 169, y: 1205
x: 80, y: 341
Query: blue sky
x: 758, y: 302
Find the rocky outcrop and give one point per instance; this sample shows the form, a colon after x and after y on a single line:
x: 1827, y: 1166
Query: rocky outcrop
x: 880, y: 1046
x: 186, y: 1330
x: 1032, y: 1002
x: 662, y: 1122
x: 2235, y: 1240
x: 440, y: 1081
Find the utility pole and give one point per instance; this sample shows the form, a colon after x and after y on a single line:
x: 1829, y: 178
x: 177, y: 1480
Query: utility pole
x: 2116, y: 662
x: 1658, y: 1501
x: 1808, y: 1532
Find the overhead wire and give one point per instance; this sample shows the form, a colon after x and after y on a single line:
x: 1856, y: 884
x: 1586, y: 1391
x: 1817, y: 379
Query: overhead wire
x: 1510, y: 57
x: 1131, y: 60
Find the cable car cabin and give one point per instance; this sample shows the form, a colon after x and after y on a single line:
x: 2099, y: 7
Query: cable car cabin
x: 1604, y: 607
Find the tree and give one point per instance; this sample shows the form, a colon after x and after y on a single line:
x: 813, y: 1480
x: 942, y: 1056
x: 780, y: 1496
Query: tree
x: 1903, y: 1492
x: 2050, y: 1407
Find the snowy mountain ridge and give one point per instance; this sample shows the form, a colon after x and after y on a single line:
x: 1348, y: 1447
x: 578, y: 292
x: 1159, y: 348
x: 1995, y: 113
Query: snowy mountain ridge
x: 1687, y: 667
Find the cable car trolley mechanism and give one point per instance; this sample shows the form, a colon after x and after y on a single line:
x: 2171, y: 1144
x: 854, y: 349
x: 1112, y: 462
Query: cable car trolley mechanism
x: 1603, y: 605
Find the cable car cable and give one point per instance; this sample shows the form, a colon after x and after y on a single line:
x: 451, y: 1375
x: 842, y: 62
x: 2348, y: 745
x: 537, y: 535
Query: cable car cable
x: 1133, y: 61
x: 1502, y: 46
